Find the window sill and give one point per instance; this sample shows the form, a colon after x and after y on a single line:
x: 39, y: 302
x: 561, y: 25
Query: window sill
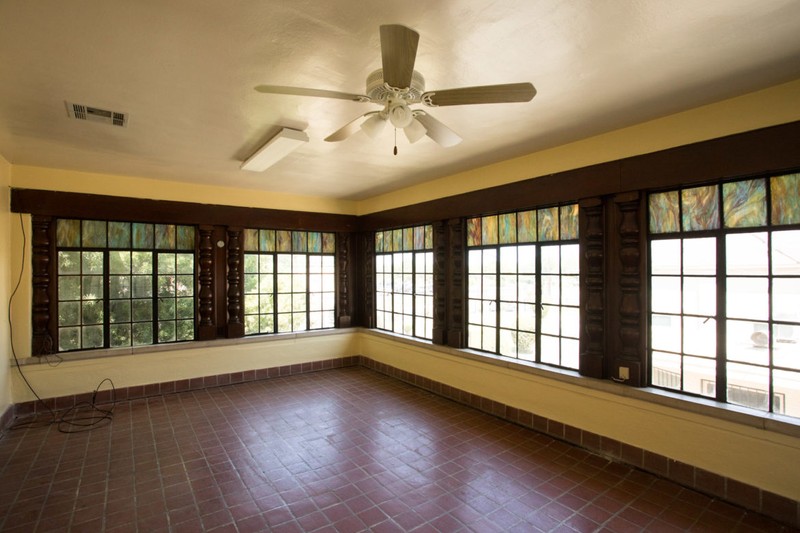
x: 728, y: 412
x: 81, y: 355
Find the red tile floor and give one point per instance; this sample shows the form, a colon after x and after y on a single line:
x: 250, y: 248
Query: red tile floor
x: 340, y: 450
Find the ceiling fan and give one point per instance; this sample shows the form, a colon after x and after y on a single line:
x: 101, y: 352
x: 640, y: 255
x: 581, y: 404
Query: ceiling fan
x: 397, y: 86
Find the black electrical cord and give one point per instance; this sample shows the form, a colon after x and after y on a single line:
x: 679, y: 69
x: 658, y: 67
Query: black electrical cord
x: 80, y: 417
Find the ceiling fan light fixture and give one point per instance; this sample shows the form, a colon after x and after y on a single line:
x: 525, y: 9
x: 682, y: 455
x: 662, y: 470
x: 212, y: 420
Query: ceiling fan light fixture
x: 373, y: 126
x: 400, y: 115
x: 285, y: 142
x: 415, y: 131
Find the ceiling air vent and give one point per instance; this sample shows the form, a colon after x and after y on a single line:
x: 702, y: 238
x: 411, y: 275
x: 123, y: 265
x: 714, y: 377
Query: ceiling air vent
x: 95, y: 114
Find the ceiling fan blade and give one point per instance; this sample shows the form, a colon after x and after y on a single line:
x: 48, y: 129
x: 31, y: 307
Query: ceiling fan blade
x: 301, y: 91
x: 348, y: 129
x: 437, y: 131
x: 398, y: 52
x: 486, y: 94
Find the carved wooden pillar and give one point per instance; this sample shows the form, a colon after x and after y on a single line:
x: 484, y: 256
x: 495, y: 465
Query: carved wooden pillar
x: 206, y: 327
x: 592, y: 268
x: 368, y: 279
x: 235, y: 325
x: 631, y: 322
x: 440, y: 248
x: 44, y: 301
x: 344, y: 305
x: 456, y: 287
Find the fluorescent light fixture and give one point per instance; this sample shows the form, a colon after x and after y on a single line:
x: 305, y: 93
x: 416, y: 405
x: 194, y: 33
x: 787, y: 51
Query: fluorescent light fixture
x: 275, y: 149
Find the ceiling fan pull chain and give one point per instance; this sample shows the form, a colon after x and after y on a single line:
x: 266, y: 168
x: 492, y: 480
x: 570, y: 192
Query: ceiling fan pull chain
x: 395, y: 141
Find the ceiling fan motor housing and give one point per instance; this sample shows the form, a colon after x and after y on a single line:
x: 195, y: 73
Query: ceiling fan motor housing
x: 379, y: 91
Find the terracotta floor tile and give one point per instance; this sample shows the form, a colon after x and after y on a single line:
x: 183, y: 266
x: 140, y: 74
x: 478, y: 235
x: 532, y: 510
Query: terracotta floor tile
x: 339, y: 450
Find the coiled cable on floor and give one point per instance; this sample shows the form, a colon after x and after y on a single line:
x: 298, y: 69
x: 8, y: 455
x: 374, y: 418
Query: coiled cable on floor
x: 80, y: 417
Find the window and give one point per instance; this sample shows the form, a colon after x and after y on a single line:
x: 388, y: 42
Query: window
x: 404, y: 281
x: 289, y: 281
x: 724, y: 292
x: 124, y: 284
x: 523, y: 295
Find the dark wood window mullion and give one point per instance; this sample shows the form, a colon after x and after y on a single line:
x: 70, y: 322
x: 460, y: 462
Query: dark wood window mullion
x: 538, y: 303
x: 722, y: 319
x: 154, y: 292
x: 106, y: 299
x: 497, y: 275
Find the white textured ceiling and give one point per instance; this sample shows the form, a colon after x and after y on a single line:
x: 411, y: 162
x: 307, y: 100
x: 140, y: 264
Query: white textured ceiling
x: 184, y: 71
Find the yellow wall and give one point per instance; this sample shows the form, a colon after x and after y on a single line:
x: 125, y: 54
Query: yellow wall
x: 26, y: 177
x: 5, y: 283
x: 761, y: 458
x: 177, y: 362
x: 769, y: 107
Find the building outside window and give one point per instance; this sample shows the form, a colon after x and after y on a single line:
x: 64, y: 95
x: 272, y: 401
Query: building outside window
x: 124, y: 284
x: 289, y: 281
x: 404, y: 281
x: 725, y: 292
x: 523, y: 287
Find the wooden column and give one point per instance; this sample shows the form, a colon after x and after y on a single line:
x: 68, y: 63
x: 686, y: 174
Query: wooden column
x: 627, y: 349
x: 455, y: 297
x: 367, y: 278
x: 592, y: 287
x: 206, y: 327
x: 44, y: 313
x: 440, y: 249
x: 235, y: 295
x: 344, y: 270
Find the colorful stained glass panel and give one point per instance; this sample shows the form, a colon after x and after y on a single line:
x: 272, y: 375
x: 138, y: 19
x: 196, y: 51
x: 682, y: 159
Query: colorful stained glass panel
x: 489, y: 230
x: 283, y: 241
x: 93, y: 234
x: 419, y: 237
x: 165, y: 236
x: 143, y: 235
x: 569, y: 222
x: 68, y: 233
x: 119, y: 235
x: 266, y: 240
x: 785, y: 199
x: 548, y: 223
x: 408, y: 239
x: 299, y: 241
x: 314, y: 242
x: 744, y: 203
x: 397, y: 240
x: 664, y: 212
x: 474, y: 232
x: 379, y: 242
x: 700, y: 208
x: 507, y: 226
x: 526, y: 226
x: 328, y: 243
x: 185, y: 237
x: 429, y: 237
x: 250, y: 240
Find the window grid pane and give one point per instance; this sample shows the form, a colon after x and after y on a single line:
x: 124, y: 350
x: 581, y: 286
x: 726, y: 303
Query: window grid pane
x: 404, y: 281
x: 523, y: 299
x: 111, y: 293
x: 736, y: 322
x: 292, y: 290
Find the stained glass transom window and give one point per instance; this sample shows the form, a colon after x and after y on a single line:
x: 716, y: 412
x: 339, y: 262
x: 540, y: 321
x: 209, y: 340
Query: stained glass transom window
x: 289, y: 280
x: 404, y: 281
x: 523, y: 293
x: 119, y: 286
x: 724, y: 292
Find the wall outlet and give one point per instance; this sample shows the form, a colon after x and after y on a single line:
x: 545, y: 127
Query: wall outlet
x: 624, y: 373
